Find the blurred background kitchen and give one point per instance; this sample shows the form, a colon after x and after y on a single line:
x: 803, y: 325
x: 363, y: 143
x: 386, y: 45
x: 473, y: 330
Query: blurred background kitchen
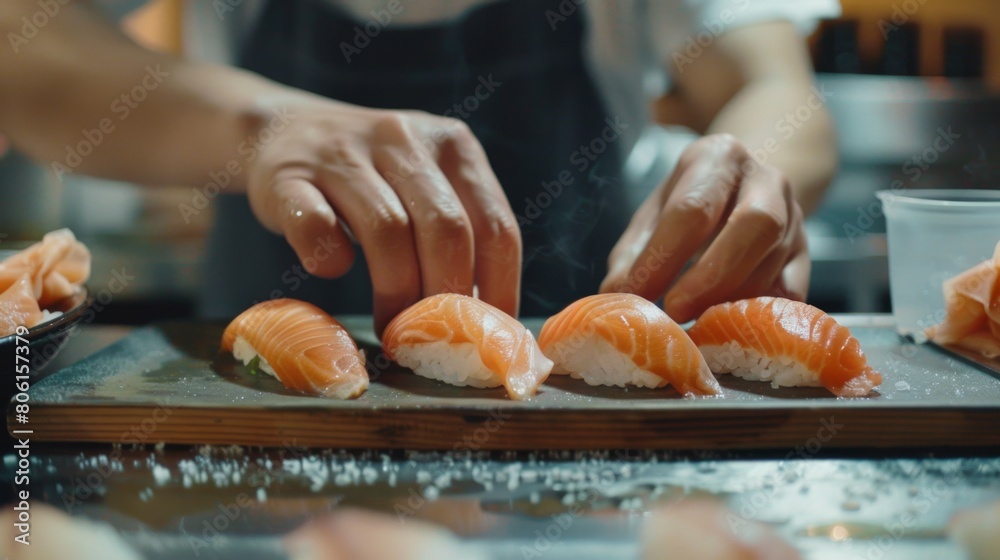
x: 898, y: 75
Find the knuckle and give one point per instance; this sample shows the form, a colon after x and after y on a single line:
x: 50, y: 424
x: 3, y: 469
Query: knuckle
x: 721, y: 147
x: 765, y: 220
x: 729, y: 146
x: 451, y: 222
x: 695, y: 204
x: 389, y: 224
x: 341, y: 151
x: 393, y: 123
x: 456, y: 129
x: 502, y: 229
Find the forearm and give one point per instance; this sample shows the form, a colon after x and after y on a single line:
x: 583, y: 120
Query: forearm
x: 81, y: 97
x: 785, y: 124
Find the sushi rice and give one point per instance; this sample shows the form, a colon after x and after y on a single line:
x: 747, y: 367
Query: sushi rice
x: 457, y: 364
x: 597, y: 362
x: 747, y: 363
x: 246, y: 353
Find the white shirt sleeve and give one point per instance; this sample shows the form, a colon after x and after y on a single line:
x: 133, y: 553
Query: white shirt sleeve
x: 673, y: 25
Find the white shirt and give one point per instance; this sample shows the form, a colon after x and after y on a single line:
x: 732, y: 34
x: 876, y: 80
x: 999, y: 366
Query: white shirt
x: 631, y: 44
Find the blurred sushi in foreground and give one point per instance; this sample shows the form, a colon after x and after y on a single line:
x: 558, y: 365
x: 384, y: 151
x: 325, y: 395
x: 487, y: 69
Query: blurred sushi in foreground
x: 301, y: 345
x: 55, y: 535
x: 624, y: 339
x: 972, y: 304
x: 352, y: 534
x: 788, y: 343
x: 705, y: 530
x: 977, y: 531
x: 463, y: 341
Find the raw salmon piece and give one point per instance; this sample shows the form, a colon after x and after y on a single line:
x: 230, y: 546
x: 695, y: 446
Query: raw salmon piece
x: 58, y: 265
x: 18, y: 307
x: 301, y: 345
x: 620, y: 339
x: 464, y: 341
x: 788, y: 343
x: 972, y: 307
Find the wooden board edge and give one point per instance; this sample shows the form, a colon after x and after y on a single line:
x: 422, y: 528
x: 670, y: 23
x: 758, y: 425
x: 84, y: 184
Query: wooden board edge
x: 803, y: 432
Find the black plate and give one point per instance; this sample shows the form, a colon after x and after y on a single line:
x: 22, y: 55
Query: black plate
x: 44, y: 340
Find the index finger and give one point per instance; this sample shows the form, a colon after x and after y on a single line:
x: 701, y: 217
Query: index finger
x: 496, y: 235
x: 687, y: 220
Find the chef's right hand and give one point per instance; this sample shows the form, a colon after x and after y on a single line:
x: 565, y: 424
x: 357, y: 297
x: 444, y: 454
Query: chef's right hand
x: 414, y: 189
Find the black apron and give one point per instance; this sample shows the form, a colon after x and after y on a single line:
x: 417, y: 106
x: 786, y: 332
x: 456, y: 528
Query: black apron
x: 538, y: 117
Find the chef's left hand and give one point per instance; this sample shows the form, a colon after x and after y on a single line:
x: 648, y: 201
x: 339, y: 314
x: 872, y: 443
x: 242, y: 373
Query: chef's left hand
x: 738, y: 215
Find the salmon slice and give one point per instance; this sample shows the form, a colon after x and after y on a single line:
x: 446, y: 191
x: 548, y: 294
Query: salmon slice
x: 18, y: 307
x: 972, y: 309
x: 788, y: 343
x: 624, y: 339
x: 463, y: 341
x: 301, y: 345
x: 58, y: 265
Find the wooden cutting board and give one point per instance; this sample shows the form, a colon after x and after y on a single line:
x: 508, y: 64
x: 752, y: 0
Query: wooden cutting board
x: 168, y: 383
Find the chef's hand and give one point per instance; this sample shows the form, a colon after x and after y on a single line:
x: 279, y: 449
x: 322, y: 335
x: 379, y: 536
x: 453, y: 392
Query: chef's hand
x: 414, y: 189
x: 738, y: 215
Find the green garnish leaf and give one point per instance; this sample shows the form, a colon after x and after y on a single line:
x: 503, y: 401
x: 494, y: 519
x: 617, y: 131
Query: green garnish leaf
x: 254, y: 365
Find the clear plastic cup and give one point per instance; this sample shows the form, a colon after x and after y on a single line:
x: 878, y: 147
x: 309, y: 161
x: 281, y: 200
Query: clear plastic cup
x: 934, y: 234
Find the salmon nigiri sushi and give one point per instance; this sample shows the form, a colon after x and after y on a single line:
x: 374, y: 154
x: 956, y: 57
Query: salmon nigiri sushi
x: 624, y: 339
x: 788, y: 343
x: 466, y: 342
x: 301, y: 345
